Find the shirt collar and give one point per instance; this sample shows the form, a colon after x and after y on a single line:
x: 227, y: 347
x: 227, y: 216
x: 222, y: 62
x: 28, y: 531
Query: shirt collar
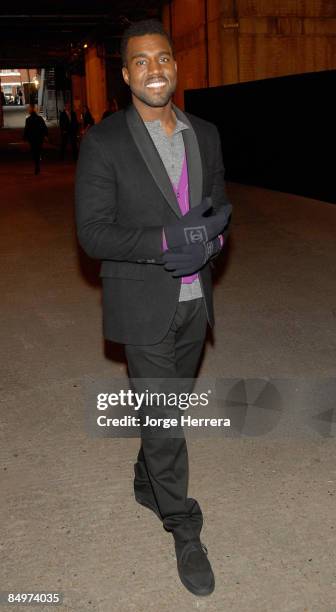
x: 156, y: 126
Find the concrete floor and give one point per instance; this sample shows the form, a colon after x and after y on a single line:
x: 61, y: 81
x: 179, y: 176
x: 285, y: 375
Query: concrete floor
x: 69, y: 522
x: 15, y: 116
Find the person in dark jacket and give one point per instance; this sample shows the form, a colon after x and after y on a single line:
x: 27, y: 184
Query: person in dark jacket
x: 69, y: 130
x: 35, y: 132
x: 112, y: 108
x: 146, y: 179
x: 87, y: 119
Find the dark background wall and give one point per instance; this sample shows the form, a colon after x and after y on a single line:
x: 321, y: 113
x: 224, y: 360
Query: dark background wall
x: 278, y: 133
x: 221, y: 42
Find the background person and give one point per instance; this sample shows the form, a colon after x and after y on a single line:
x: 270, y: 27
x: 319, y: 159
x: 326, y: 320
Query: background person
x: 35, y: 132
x: 69, y: 127
x: 87, y: 119
x: 112, y: 108
x: 20, y: 94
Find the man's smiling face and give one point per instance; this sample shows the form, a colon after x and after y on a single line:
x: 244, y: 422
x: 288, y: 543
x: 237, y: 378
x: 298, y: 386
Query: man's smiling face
x: 151, y: 71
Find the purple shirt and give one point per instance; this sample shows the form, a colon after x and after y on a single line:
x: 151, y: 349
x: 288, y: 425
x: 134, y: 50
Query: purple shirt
x: 182, y: 195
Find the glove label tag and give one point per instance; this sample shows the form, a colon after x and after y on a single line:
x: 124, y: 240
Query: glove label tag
x: 196, y: 235
x: 209, y: 249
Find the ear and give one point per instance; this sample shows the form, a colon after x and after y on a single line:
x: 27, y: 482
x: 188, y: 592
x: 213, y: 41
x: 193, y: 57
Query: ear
x: 125, y: 75
x: 175, y: 64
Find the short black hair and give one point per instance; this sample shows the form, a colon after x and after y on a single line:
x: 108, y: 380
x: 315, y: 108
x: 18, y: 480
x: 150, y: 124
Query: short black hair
x: 141, y: 28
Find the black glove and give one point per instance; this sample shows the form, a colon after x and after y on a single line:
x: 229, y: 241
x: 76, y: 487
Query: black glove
x: 194, y: 228
x: 188, y: 259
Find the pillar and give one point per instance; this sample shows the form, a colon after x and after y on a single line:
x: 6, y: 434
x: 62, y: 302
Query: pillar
x: 95, y: 77
x: 78, y: 93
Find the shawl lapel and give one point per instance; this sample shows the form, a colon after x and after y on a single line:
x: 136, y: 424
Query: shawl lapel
x: 155, y: 165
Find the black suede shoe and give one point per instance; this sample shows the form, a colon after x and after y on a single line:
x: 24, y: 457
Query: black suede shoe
x: 194, y: 567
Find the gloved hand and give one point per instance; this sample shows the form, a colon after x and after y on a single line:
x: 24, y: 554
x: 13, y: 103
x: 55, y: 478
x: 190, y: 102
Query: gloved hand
x: 195, y: 228
x: 190, y: 258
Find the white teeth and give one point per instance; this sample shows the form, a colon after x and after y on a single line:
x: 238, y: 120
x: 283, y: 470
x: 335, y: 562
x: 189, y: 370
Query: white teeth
x: 157, y: 84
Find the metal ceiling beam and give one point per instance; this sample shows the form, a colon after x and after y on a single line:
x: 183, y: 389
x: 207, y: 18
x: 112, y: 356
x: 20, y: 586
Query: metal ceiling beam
x: 54, y: 32
x: 55, y: 16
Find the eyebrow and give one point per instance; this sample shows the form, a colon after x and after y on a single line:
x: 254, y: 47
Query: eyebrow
x: 143, y: 54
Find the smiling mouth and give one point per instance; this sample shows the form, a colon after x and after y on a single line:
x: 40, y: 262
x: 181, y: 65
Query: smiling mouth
x: 156, y: 84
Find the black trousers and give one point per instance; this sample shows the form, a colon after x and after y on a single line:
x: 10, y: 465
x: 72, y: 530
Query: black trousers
x: 36, y: 149
x: 65, y: 138
x: 161, y: 471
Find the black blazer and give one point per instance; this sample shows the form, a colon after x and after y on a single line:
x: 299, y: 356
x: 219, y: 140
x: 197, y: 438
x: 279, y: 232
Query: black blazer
x: 35, y: 129
x: 123, y: 199
x: 67, y: 125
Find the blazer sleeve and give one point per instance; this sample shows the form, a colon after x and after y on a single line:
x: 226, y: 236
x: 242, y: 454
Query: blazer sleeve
x: 218, y: 192
x: 98, y: 231
x: 26, y: 130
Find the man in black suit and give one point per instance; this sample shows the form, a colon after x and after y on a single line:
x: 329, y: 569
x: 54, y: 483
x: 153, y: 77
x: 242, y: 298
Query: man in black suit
x: 35, y: 132
x: 68, y: 123
x: 146, y: 179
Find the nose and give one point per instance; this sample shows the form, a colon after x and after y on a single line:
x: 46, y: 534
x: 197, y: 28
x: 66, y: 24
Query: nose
x: 154, y: 66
